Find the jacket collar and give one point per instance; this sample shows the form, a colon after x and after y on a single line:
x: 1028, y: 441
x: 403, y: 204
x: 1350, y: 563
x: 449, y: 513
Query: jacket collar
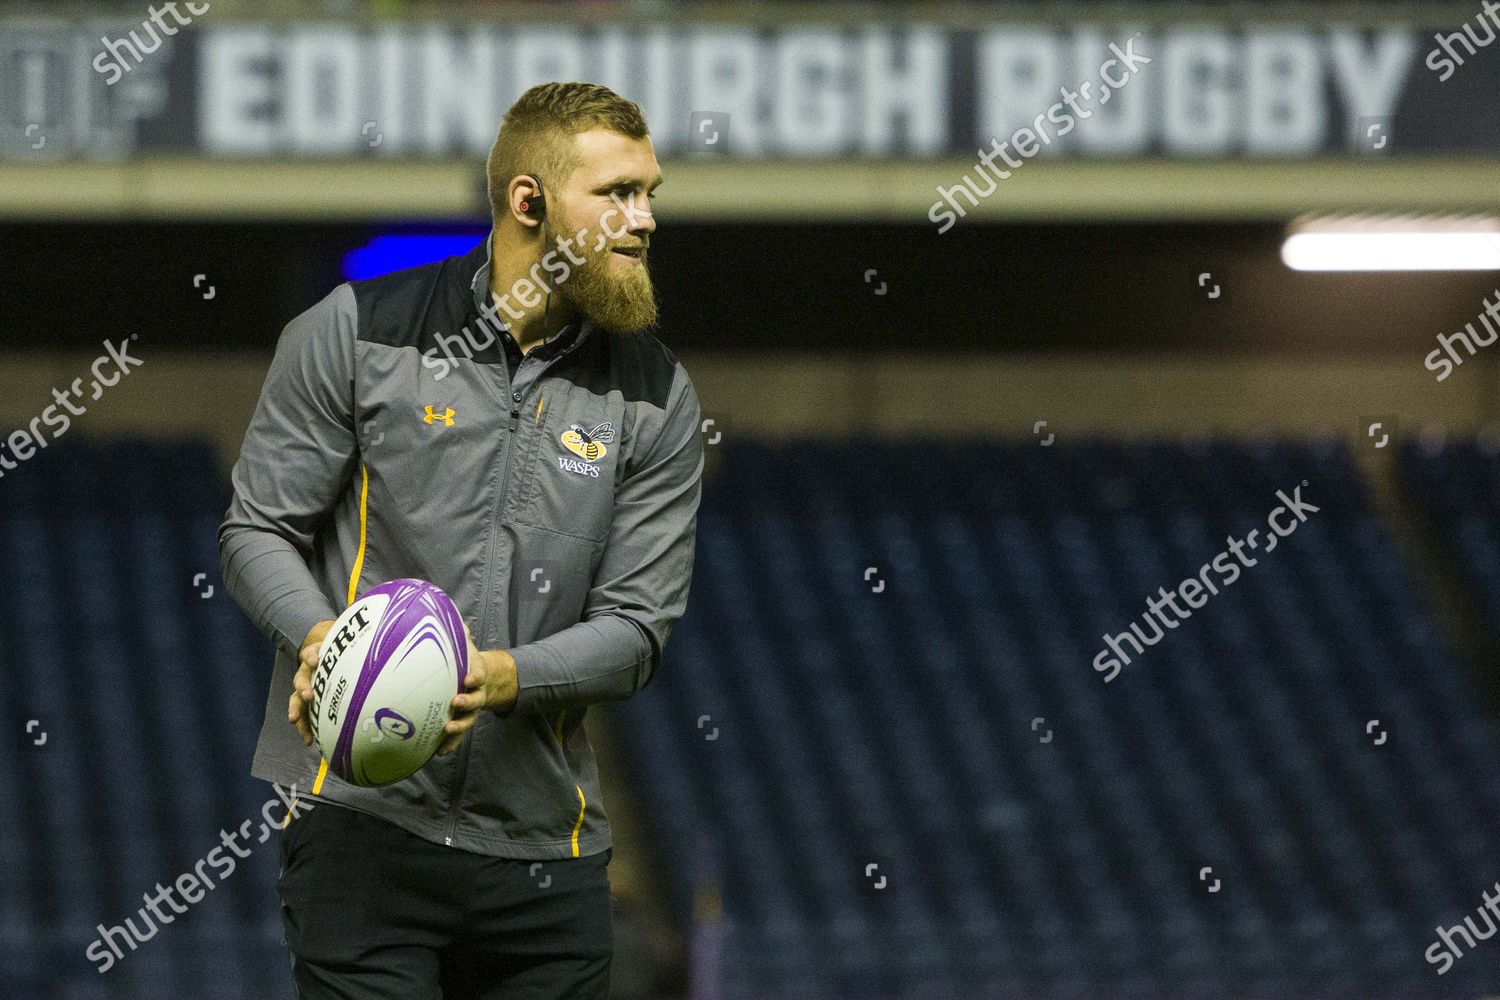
x: 479, y: 291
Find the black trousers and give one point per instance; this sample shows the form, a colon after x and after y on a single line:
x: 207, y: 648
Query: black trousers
x: 372, y: 911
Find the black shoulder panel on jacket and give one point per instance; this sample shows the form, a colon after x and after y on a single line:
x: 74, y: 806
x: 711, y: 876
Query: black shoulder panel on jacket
x: 429, y: 308
x: 637, y: 364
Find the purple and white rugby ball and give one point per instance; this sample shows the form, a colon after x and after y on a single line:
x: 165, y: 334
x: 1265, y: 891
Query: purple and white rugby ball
x: 387, y: 672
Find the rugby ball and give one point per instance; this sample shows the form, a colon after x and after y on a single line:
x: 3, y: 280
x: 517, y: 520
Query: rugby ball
x: 387, y: 672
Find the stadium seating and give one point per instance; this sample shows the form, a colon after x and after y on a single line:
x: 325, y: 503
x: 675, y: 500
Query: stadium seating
x: 1458, y: 485
x: 887, y: 661
x: 106, y: 643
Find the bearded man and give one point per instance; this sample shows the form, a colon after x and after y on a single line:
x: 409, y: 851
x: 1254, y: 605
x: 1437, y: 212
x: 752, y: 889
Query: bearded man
x: 547, y: 477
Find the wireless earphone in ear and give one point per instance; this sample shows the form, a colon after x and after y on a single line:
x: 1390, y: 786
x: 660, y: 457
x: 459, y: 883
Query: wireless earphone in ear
x: 537, y: 203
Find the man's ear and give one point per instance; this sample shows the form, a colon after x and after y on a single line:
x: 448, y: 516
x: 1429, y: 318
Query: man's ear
x: 527, y: 201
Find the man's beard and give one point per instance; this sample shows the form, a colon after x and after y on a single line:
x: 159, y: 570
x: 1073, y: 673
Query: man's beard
x: 623, y: 300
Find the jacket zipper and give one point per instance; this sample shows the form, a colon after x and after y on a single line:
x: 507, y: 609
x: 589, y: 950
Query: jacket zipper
x: 456, y: 794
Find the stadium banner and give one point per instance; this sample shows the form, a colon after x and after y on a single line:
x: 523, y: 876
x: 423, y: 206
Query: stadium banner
x: 113, y: 90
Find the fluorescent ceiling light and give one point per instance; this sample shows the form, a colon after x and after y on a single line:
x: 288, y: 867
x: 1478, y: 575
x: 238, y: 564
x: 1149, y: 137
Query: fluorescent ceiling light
x: 1393, y: 244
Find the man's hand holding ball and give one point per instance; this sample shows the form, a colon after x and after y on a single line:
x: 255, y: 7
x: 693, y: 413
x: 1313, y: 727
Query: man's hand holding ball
x: 299, y: 706
x: 489, y: 684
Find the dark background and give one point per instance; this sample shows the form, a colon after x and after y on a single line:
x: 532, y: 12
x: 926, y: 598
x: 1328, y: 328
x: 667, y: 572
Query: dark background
x: 753, y: 287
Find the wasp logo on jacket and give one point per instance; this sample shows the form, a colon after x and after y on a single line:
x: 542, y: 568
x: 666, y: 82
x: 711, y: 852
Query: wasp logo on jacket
x: 588, y: 445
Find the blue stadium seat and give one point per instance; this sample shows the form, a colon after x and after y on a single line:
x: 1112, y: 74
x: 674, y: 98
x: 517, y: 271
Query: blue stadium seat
x: 886, y: 672
x: 148, y: 739
x: 898, y: 641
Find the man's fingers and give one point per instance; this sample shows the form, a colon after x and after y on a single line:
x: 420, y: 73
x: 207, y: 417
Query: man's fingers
x: 471, y: 699
x: 466, y: 705
x: 300, y: 703
x: 453, y: 733
x: 450, y: 743
x: 302, y: 682
x: 460, y: 725
x: 296, y: 713
x: 476, y: 673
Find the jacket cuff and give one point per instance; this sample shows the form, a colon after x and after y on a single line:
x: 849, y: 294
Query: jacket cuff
x: 531, y: 672
x: 294, y: 629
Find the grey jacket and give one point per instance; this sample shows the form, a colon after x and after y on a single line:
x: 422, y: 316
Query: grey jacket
x: 557, y: 508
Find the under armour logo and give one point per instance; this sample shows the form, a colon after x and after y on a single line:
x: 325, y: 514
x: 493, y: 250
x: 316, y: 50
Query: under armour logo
x: 446, y: 416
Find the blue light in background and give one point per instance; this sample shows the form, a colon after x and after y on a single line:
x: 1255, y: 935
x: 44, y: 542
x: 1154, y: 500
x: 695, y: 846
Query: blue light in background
x: 385, y: 254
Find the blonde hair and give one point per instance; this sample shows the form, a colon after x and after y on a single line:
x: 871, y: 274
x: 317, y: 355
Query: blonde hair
x: 535, y: 137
